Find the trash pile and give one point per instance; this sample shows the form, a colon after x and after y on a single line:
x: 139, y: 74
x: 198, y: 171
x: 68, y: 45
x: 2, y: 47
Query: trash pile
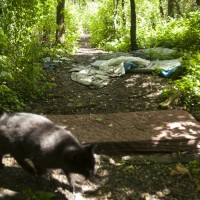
x: 50, y: 64
x: 98, y: 74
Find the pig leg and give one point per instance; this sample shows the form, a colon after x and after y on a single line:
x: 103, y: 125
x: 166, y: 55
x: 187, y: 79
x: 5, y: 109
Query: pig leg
x: 39, y: 170
x: 25, y: 165
x: 72, y: 182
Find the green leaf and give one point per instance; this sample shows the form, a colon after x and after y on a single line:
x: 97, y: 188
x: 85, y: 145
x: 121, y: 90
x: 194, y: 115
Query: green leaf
x: 110, y: 125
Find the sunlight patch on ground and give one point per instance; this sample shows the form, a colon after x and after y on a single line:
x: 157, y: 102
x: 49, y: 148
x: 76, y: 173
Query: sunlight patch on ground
x: 86, y: 51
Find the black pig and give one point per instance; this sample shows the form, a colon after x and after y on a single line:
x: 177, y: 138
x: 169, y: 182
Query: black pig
x: 49, y: 146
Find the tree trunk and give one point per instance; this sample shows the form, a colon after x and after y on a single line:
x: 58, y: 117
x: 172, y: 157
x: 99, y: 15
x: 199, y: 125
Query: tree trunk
x: 116, y: 3
x: 178, y: 8
x: 198, y: 2
x: 60, y: 32
x: 133, y: 26
x: 161, y: 8
x: 123, y: 14
x: 170, y: 8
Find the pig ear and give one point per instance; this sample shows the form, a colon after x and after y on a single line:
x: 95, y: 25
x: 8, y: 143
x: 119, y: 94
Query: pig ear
x: 90, y: 147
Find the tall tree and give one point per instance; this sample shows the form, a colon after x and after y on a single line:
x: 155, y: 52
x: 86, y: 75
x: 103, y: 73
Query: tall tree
x: 170, y: 8
x: 161, y: 8
x: 178, y: 8
x: 116, y: 4
x: 60, y: 19
x: 133, y: 26
x: 123, y: 13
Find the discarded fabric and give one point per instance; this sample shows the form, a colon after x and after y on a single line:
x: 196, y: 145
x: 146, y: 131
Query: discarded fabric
x: 89, y: 76
x: 157, y: 53
x: 129, y: 65
x: 98, y: 74
x: 167, y: 68
x: 50, y: 64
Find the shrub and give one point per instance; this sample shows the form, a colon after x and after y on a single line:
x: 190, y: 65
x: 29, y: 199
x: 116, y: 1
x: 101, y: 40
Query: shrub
x: 189, y: 84
x: 181, y: 33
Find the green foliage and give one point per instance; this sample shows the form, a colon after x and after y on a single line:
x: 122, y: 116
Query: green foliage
x: 181, y: 33
x: 109, y: 25
x: 106, y: 26
x: 195, y: 166
x: 27, y: 32
x: 148, y: 17
x: 189, y: 84
x: 120, y: 44
x: 101, y: 24
x: 19, y: 64
x: 104, y: 20
x: 72, y: 21
x: 39, y: 195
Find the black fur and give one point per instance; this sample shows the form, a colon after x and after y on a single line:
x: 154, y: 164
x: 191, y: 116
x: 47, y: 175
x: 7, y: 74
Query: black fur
x: 49, y: 146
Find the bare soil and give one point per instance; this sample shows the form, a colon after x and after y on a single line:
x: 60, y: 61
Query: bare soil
x: 116, y: 178
x: 128, y: 93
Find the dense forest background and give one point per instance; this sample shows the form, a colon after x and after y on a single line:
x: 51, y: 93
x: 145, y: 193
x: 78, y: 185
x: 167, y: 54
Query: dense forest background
x: 31, y: 30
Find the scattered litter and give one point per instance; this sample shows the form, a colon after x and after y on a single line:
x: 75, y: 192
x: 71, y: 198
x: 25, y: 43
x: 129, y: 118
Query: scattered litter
x: 157, y: 53
x: 167, y: 68
x: 98, y: 74
x: 50, y: 64
x: 89, y: 76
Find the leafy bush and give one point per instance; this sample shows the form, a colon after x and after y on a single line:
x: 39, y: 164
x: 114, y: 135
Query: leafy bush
x: 100, y: 24
x: 182, y: 33
x: 121, y: 44
x: 8, y: 95
x: 189, y: 84
x: 21, y: 77
x: 105, y: 23
x: 24, y: 25
x: 72, y: 26
x: 109, y: 24
x: 38, y: 195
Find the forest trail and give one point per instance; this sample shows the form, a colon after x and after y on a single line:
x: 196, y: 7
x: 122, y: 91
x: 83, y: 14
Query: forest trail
x: 113, y: 108
x: 108, y: 113
x: 127, y: 93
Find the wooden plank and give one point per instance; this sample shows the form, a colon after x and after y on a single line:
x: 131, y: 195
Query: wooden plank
x: 112, y: 148
x: 149, y: 131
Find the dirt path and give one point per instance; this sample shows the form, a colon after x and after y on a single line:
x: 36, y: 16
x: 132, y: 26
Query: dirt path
x: 116, y: 178
x: 131, y: 92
